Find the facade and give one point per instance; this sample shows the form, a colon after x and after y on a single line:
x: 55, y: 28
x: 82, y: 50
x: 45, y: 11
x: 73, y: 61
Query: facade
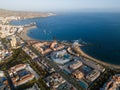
x: 77, y: 74
x: 22, y: 80
x: 93, y: 75
x: 2, y: 74
x: 13, y: 42
x: 47, y: 47
x: 3, y: 82
x: 52, y: 46
x: 75, y: 65
x: 18, y: 78
x: 70, y: 50
x: 113, y: 83
x: 61, y: 57
x: 55, y: 46
x: 29, y: 52
x: 94, y: 65
x: 5, y: 51
x: 16, y: 68
x: 7, y: 30
x: 54, y: 80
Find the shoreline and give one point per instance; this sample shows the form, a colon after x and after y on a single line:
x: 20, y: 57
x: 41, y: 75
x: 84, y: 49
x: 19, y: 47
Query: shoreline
x: 25, y: 37
x: 82, y: 53
x: 24, y: 32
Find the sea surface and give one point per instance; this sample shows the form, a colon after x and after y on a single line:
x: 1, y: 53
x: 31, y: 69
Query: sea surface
x: 100, y: 30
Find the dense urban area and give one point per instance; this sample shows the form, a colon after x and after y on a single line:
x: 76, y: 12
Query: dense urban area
x: 49, y: 65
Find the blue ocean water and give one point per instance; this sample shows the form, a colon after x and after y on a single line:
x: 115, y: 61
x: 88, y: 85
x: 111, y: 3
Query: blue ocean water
x: 101, y: 30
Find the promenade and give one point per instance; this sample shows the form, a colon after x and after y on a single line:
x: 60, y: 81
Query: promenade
x: 25, y: 37
x: 81, y: 53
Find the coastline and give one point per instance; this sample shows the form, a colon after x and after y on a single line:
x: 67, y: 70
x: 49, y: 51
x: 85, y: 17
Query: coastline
x: 25, y: 37
x: 82, y: 53
x: 23, y: 33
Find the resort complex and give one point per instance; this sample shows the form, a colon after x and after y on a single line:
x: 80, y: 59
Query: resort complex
x: 28, y: 64
x: 20, y: 74
x: 4, y: 85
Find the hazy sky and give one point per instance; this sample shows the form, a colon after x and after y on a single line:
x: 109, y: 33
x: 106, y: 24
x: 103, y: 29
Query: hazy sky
x: 59, y: 5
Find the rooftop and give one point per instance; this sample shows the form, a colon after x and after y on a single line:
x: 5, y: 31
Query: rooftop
x: 54, y: 80
x: 20, y: 74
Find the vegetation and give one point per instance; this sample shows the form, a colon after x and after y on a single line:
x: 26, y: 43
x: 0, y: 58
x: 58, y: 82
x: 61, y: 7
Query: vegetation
x: 42, y: 84
x: 38, y: 69
x: 27, y: 85
x: 18, y: 57
x: 102, y: 79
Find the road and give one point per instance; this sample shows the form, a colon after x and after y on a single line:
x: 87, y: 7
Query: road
x: 58, y: 70
x: 81, y: 53
x: 65, y: 76
x: 9, y: 81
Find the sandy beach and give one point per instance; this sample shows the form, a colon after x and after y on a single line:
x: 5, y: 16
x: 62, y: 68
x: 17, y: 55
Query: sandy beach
x: 24, y: 35
x: 79, y: 50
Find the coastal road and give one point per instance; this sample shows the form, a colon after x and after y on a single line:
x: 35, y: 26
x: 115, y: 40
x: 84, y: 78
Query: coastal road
x: 81, y: 53
x: 58, y: 70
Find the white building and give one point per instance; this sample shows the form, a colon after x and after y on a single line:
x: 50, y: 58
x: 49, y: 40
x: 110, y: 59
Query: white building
x: 13, y: 42
x: 113, y: 83
x: 61, y: 57
x: 93, y: 75
x: 76, y: 64
x: 2, y: 74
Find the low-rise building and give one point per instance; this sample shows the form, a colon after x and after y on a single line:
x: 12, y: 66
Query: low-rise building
x: 5, y: 50
x: 3, y: 82
x: 93, y: 75
x: 43, y: 47
x: 94, y: 65
x: 29, y: 52
x: 55, y: 46
x: 66, y: 86
x: 20, y: 75
x: 22, y: 80
x: 78, y: 74
x: 5, y: 53
x: 46, y: 47
x: 54, y: 80
x: 113, y: 83
x: 2, y: 74
x: 75, y: 65
x: 13, y: 70
x: 8, y: 30
x: 61, y: 57
x: 69, y: 49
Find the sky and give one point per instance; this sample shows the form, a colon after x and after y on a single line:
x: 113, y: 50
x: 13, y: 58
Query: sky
x: 60, y: 5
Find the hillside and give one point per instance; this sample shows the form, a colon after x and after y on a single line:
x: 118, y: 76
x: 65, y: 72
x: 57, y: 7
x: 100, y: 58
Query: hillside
x: 23, y: 14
